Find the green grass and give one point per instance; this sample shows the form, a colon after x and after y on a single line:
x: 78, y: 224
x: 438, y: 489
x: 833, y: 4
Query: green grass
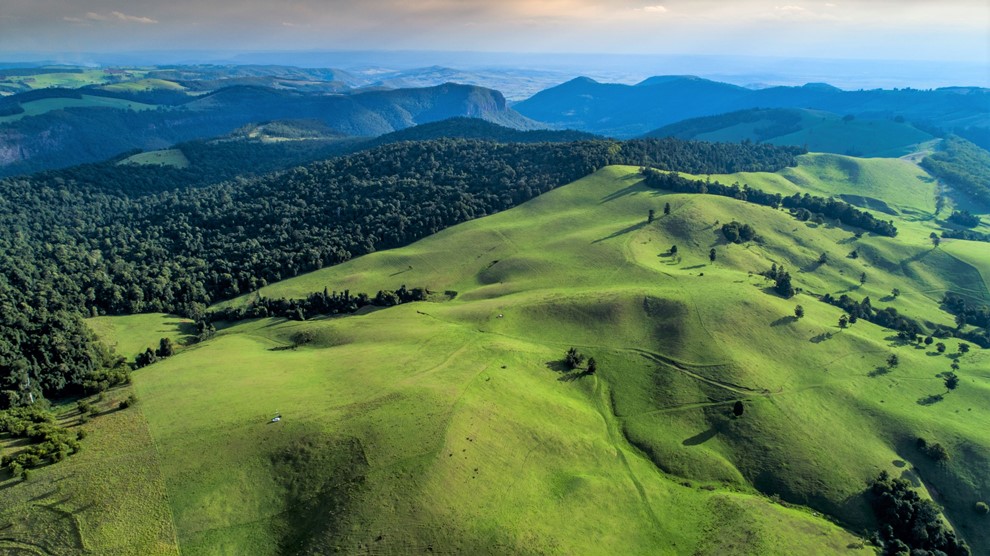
x: 827, y: 132
x: 449, y: 426
x: 165, y: 157
x: 109, y: 498
x: 141, y: 85
x: 132, y: 334
x: 38, y: 107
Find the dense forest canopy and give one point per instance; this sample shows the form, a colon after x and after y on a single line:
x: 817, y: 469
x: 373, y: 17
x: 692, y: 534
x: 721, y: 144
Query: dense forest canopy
x: 73, y: 245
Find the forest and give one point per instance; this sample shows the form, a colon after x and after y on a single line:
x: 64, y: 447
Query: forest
x: 73, y: 244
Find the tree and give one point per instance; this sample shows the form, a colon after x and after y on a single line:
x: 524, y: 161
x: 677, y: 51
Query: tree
x: 783, y: 285
x: 893, y: 361
x: 666, y: 209
x: 954, y: 365
x: 165, y: 348
x: 823, y: 258
x: 592, y: 366
x: 895, y: 292
x: 935, y: 239
x: 951, y: 381
x: 929, y: 340
x: 940, y: 347
x: 649, y: 218
x: 854, y: 254
x: 799, y: 312
x: 843, y: 321
x: 673, y: 249
x: 711, y: 255
x: 862, y: 278
x: 299, y: 315
x: 737, y: 408
x: 964, y: 348
x: 573, y: 358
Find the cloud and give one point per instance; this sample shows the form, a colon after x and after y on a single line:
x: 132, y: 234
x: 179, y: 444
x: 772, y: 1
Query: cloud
x: 112, y: 16
x: 133, y: 18
x: 658, y: 9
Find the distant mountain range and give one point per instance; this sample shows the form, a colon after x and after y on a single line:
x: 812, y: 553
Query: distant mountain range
x: 632, y: 110
x: 86, y: 129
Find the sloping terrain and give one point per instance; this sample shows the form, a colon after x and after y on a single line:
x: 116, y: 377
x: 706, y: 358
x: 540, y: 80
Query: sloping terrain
x: 632, y: 110
x: 67, y: 127
x: 818, y: 131
x: 454, y: 426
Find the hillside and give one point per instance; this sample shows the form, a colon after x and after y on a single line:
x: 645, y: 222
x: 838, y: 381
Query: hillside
x: 816, y: 130
x: 72, y: 128
x: 452, y: 425
x: 632, y: 110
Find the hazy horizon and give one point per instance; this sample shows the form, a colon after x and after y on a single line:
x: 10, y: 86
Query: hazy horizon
x: 954, y: 30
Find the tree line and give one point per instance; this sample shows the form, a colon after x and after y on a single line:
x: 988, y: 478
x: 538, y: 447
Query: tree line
x: 803, y: 207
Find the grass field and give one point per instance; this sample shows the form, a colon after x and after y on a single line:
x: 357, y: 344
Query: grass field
x: 453, y: 427
x: 166, y: 157
x: 827, y: 132
x: 38, y: 107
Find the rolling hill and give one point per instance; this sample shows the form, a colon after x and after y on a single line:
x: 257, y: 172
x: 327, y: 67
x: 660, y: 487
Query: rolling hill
x: 816, y: 130
x: 453, y: 424
x: 631, y: 110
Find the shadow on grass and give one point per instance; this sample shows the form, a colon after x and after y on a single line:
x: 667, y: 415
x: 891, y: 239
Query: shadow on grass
x: 701, y: 437
x: 623, y: 231
x: 931, y: 400
x: 557, y: 366
x: 697, y: 266
x: 571, y: 377
x: 824, y: 336
x: 634, y: 189
x: 784, y: 320
x: 879, y: 371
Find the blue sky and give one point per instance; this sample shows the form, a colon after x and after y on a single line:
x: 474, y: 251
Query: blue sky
x: 956, y: 30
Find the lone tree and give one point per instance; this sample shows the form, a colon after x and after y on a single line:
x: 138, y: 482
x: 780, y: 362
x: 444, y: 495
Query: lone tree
x: 843, y: 321
x: 893, y: 361
x: 592, y: 366
x: 862, y: 278
x: 650, y: 217
x: 935, y: 239
x: 940, y: 347
x: 929, y: 340
x: 666, y: 208
x: 673, y: 249
x: 951, y: 381
x: 964, y: 348
x: 823, y: 258
x: 895, y: 292
x: 573, y: 358
x: 799, y: 312
x: 165, y: 348
x: 737, y: 408
x: 711, y: 255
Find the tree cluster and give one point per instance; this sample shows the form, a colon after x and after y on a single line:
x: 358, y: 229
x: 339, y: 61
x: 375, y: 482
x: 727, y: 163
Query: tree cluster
x: 803, y: 207
x: 964, y: 218
x: 782, y: 282
x: 736, y: 232
x: 49, y: 443
x: 324, y: 303
x: 962, y: 165
x: 887, y: 317
x: 909, y: 523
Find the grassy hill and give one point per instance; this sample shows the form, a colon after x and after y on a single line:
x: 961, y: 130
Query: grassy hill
x: 817, y: 130
x: 453, y: 426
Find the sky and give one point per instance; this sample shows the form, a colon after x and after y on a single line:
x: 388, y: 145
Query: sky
x: 951, y: 30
